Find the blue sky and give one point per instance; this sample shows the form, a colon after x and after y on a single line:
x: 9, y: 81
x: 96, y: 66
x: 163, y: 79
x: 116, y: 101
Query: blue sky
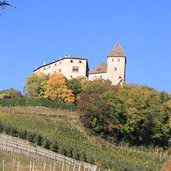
x: 46, y: 30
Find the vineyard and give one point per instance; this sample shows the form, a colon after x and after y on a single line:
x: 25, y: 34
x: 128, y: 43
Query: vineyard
x: 21, y: 155
x: 61, y: 132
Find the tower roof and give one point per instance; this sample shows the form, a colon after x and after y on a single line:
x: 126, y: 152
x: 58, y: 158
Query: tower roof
x: 117, y: 51
x: 101, y: 68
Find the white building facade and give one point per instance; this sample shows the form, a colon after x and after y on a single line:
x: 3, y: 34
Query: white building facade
x: 72, y: 67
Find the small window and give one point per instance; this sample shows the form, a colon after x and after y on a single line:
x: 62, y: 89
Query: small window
x: 112, y: 60
x: 60, y: 63
x: 115, y: 69
x: 119, y: 59
x: 75, y: 69
x: 71, y: 61
x: 49, y: 66
x: 59, y: 70
x: 80, y: 62
x: 100, y: 76
x: 71, y: 76
x: 55, y: 64
x: 45, y: 68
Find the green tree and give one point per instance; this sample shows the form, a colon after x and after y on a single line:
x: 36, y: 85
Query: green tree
x: 35, y: 85
x: 75, y: 85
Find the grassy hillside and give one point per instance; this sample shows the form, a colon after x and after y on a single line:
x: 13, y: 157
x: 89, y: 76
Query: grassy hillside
x: 61, y: 132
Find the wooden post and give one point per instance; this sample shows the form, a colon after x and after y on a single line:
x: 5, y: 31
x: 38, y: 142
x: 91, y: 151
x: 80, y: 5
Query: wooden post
x: 54, y: 166
x: 68, y: 166
x: 63, y: 166
x: 44, y: 166
x: 50, y: 167
x: 30, y: 166
x: 3, y: 165
x: 33, y: 166
x: 13, y: 163
x: 18, y: 166
x: 74, y: 167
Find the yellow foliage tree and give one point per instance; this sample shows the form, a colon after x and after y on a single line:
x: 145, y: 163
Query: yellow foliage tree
x: 166, y: 166
x: 56, y: 89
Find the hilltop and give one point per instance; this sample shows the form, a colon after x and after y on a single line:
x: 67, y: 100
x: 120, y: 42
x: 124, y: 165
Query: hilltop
x: 62, y: 132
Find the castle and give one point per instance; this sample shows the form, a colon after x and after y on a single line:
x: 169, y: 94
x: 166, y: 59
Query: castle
x: 72, y: 67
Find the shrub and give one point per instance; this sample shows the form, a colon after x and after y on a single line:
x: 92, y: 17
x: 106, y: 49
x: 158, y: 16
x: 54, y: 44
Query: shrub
x: 35, y: 102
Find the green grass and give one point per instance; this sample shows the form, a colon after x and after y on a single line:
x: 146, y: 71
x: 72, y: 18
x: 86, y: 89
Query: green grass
x: 61, y: 127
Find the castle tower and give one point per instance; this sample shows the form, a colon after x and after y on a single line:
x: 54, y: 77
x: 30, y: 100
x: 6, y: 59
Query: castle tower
x: 116, y: 65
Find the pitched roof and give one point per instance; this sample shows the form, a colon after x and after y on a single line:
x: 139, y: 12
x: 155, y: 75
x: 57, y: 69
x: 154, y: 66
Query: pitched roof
x: 63, y: 58
x: 101, y: 68
x: 117, y: 51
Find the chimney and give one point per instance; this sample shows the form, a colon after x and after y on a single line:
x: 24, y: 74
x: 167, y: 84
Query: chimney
x: 44, y: 62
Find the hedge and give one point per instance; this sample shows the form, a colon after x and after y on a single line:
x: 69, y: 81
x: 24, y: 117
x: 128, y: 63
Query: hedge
x: 35, y: 102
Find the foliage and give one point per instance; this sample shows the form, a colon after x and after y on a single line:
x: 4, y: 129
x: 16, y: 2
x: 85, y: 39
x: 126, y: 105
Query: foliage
x: 55, y: 130
x: 35, y: 102
x: 57, y: 90
x: 75, y: 84
x: 12, y: 93
x: 136, y: 115
x: 96, y: 86
x: 166, y: 166
x: 35, y: 85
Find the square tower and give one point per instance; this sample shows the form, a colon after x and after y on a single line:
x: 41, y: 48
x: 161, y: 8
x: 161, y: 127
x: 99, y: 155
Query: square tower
x: 116, y: 65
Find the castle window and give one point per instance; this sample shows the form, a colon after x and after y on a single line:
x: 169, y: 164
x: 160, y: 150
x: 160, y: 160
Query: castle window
x: 71, y: 61
x: 44, y: 68
x: 49, y: 66
x: 59, y: 70
x: 80, y: 62
x: 112, y: 60
x: 119, y: 60
x: 55, y: 64
x: 60, y: 63
x: 115, y: 68
x: 75, y: 69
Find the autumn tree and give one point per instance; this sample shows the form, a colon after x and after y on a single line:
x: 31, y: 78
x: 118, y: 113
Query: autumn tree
x: 136, y: 115
x: 56, y: 89
x: 35, y: 85
x: 166, y: 166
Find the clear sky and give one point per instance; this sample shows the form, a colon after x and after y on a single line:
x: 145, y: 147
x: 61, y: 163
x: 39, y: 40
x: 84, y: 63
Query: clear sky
x: 45, y: 30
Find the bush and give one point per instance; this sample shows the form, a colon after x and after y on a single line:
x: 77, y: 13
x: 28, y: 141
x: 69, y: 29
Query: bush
x: 35, y: 102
